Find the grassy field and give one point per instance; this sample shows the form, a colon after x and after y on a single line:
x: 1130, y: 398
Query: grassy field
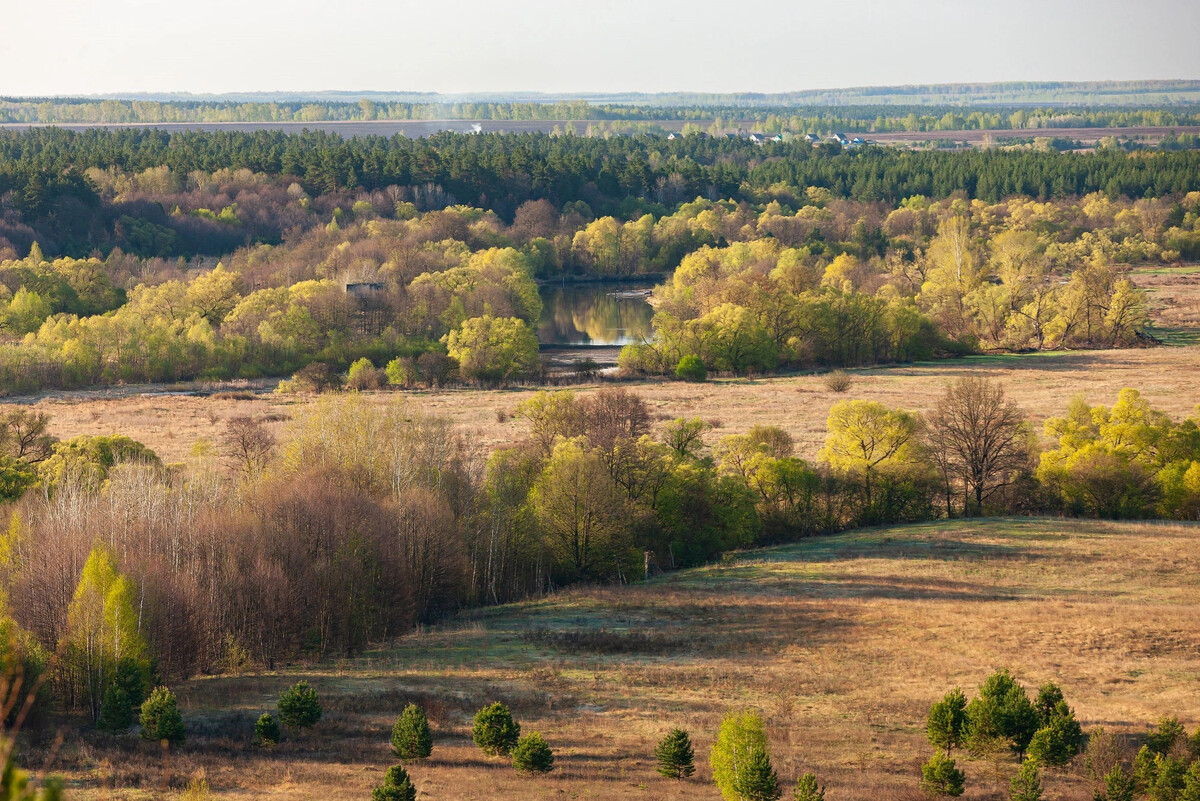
x: 842, y: 642
x: 1042, y: 383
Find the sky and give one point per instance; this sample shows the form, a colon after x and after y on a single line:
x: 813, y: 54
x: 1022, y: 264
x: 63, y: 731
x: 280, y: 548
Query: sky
x: 72, y: 47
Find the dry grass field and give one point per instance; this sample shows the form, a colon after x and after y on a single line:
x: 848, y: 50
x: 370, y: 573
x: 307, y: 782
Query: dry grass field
x: 1043, y: 383
x: 842, y: 642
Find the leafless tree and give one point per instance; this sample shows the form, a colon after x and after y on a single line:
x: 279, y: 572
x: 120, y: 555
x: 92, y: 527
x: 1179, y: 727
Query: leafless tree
x: 979, y: 441
x: 248, y: 444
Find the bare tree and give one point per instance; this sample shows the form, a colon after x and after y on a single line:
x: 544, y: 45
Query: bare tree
x: 978, y: 440
x: 248, y: 444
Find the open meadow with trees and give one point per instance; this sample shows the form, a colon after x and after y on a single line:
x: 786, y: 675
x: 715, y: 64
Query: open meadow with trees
x: 428, y: 565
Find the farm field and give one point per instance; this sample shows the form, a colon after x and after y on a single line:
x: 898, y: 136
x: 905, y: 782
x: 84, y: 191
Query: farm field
x: 841, y: 642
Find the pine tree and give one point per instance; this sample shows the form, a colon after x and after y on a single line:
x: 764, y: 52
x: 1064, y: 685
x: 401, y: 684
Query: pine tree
x: 160, y: 717
x: 1027, y: 784
x: 940, y: 777
x: 758, y: 780
x: 533, y: 755
x: 495, y: 731
x: 299, y: 706
x: 675, y: 755
x: 946, y: 725
x: 266, y: 730
x: 411, y: 738
x: 807, y: 789
x: 1118, y: 786
x: 397, y: 786
x: 116, y: 710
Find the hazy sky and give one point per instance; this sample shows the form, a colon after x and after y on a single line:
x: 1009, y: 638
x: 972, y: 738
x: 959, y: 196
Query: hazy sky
x: 92, y: 46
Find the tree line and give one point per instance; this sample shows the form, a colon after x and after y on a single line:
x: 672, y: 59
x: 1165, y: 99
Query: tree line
x: 368, y: 518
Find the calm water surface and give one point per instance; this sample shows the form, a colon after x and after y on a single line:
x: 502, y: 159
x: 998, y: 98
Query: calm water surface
x: 588, y: 314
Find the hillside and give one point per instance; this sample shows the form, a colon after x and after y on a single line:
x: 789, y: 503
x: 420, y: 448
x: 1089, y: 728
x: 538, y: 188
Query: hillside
x: 842, y: 642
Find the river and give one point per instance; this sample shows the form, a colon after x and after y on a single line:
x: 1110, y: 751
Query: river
x: 591, y: 315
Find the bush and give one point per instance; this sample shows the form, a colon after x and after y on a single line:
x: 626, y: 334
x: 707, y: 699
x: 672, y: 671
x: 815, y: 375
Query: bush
x: 397, y: 786
x: 675, y: 755
x: 691, y: 368
x: 160, y: 717
x: 116, y: 710
x: 299, y: 707
x: 940, y: 777
x: 838, y: 381
x: 946, y: 724
x: 363, y: 375
x: 266, y: 730
x: 533, y: 755
x: 1118, y: 786
x: 410, y: 735
x: 316, y: 377
x: 1059, y: 741
x: 495, y: 731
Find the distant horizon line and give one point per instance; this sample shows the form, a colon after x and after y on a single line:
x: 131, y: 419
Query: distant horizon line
x: 963, y: 87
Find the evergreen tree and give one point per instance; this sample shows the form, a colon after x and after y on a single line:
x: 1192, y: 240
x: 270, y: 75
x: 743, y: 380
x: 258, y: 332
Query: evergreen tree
x: 411, y: 738
x: 807, y: 789
x: 299, y: 706
x: 757, y: 781
x: 495, y: 731
x: 1027, y: 784
x: 266, y: 730
x: 1118, y: 786
x: 116, y: 710
x: 940, y: 777
x: 160, y: 717
x: 397, y: 786
x: 946, y: 725
x: 1001, y: 712
x: 532, y: 754
x: 675, y: 755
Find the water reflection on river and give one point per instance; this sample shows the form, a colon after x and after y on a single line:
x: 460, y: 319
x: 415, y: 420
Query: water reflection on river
x: 587, y: 314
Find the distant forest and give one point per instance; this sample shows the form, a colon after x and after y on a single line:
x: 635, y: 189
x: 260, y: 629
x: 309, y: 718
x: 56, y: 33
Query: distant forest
x: 45, y: 194
x: 876, y: 116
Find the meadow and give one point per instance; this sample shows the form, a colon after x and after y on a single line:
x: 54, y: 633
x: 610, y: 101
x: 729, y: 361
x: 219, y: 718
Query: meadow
x: 841, y: 642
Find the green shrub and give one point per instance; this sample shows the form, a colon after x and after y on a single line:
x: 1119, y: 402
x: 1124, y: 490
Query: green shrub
x: 160, y: 717
x: 411, y: 738
x: 363, y: 375
x: 807, y: 789
x: 946, y: 725
x: 940, y: 777
x: 266, y: 730
x: 691, y: 368
x: 299, y: 706
x: 533, y: 755
x: 397, y: 786
x: 1118, y: 786
x: 675, y: 755
x: 495, y: 731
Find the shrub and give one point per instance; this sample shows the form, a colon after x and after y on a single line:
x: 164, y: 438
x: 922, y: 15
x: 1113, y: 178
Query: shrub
x: 363, y: 375
x: 402, y: 372
x: 160, y: 717
x: 316, y: 377
x: 299, y: 707
x: 675, y: 755
x: 838, y: 381
x: 411, y: 738
x: 533, y: 755
x: 1002, y: 712
x: 397, y: 786
x: 266, y: 730
x: 691, y: 368
x: 1027, y: 784
x: 495, y: 731
x: 116, y: 710
x: 940, y: 777
x: 807, y: 789
x: 1059, y: 740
